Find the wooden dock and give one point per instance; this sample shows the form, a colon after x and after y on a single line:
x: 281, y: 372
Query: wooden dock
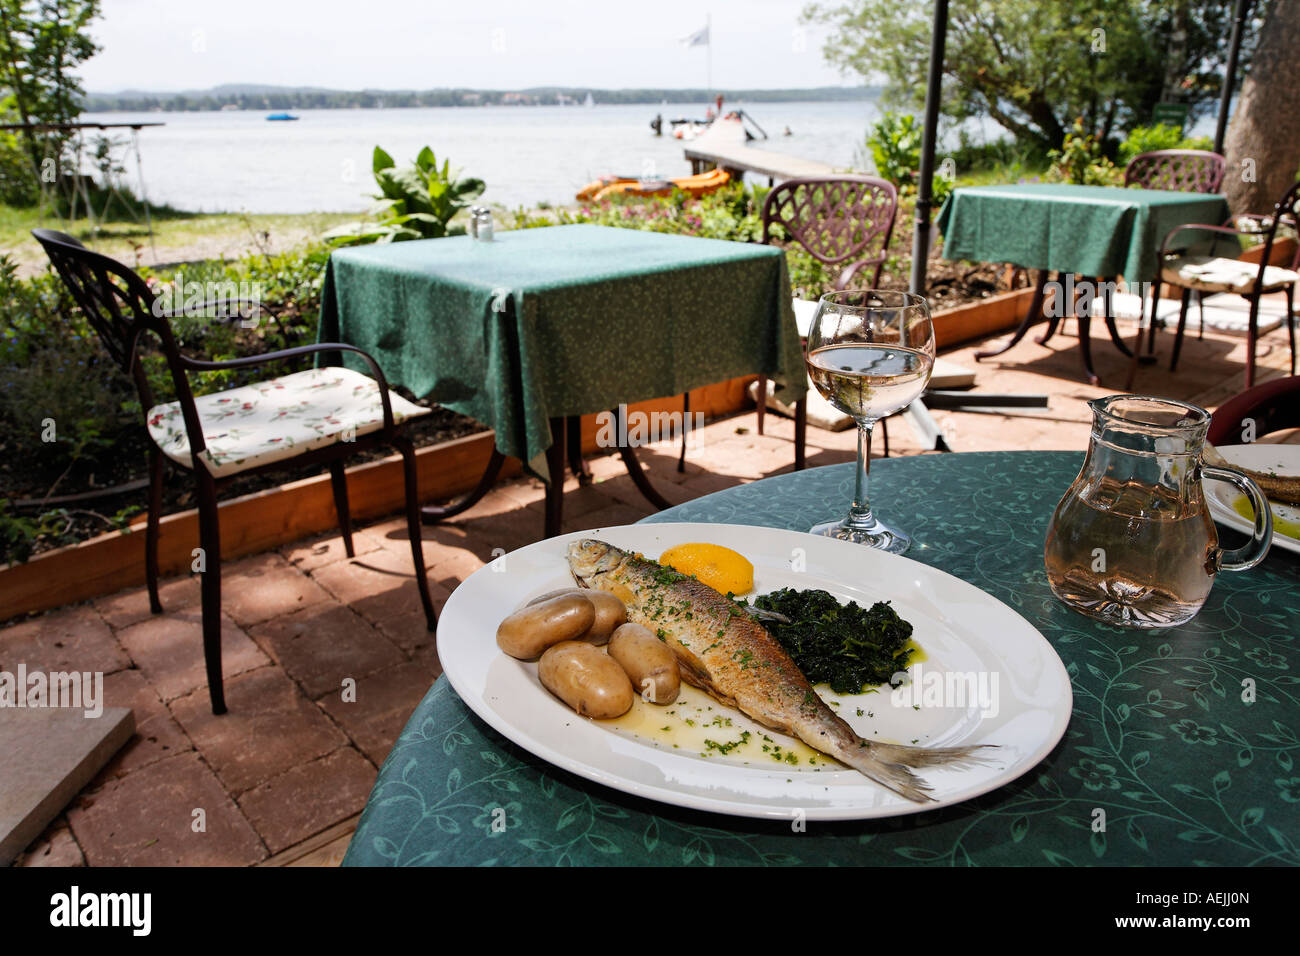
x: 706, y: 152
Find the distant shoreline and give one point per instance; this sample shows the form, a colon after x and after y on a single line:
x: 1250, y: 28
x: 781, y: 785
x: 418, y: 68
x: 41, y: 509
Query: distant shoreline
x: 279, y: 98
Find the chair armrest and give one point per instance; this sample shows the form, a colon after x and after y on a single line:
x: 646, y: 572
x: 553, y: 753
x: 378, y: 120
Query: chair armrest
x: 847, y: 276
x: 377, y: 373
x: 258, y: 306
x: 1264, y: 218
x: 1202, y: 227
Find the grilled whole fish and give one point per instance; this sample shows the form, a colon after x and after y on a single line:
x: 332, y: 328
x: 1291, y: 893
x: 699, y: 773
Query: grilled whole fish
x: 729, y: 655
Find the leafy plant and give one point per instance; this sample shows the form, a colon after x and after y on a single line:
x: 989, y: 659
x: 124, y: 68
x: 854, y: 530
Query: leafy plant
x: 1081, y: 162
x: 416, y: 202
x: 895, y: 147
x: 1148, y: 139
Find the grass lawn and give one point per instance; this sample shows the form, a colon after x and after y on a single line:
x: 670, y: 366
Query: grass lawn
x: 177, y: 237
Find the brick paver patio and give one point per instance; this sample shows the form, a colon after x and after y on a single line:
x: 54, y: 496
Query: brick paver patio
x: 281, y: 778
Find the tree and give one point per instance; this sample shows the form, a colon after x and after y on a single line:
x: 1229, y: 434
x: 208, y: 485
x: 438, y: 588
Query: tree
x: 1035, y: 66
x: 1263, y: 141
x: 41, y: 42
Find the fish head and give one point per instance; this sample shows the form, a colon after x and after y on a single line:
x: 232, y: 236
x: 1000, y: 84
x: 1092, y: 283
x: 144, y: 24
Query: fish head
x: 589, y: 557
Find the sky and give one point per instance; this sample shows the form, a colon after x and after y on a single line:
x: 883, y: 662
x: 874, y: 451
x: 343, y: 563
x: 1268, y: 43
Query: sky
x: 168, y: 45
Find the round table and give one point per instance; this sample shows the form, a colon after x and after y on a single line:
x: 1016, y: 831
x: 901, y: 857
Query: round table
x: 1161, y: 739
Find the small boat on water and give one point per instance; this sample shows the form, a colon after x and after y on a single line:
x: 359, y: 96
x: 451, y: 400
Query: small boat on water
x: 733, y: 120
x: 282, y: 117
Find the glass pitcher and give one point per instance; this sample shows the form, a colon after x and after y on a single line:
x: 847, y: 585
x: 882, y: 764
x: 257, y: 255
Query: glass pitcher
x: 1132, y: 542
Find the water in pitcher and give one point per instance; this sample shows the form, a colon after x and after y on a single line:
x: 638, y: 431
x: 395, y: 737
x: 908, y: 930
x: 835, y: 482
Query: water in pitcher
x: 1130, y: 553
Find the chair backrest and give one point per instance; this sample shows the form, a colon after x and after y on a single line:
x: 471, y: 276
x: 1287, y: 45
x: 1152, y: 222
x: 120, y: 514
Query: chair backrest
x: 1177, y: 170
x: 120, y: 307
x: 1286, y: 211
x: 842, y: 221
x: 1270, y: 407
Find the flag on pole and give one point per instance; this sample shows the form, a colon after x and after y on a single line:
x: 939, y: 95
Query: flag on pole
x: 698, y: 38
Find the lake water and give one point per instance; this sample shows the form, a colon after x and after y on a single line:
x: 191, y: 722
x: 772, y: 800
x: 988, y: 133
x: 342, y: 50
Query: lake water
x: 238, y: 161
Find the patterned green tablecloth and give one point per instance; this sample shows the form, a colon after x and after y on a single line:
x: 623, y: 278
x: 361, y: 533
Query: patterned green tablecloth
x: 1102, y: 231
x: 1160, y: 739
x: 565, y: 320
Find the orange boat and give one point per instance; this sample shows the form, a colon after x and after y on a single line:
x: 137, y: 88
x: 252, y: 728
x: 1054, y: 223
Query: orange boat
x: 700, y: 184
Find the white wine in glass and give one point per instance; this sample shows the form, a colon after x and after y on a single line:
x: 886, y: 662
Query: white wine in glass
x: 870, y: 354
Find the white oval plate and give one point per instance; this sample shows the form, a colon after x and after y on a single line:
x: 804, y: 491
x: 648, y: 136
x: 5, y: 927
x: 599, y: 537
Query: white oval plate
x: 1259, y: 456
x: 962, y: 630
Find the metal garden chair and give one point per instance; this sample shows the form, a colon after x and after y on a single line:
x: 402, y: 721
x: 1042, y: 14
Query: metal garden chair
x: 1177, y: 170
x: 321, y: 415
x: 1194, y: 272
x: 1181, y: 171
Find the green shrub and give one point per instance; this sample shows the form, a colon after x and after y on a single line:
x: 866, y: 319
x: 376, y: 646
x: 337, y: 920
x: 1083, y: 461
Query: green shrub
x: 894, y: 143
x: 1148, y: 139
x: 1080, y: 161
x: 18, y: 186
x: 55, y: 380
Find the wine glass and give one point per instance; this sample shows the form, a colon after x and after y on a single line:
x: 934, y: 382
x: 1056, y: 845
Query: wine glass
x: 870, y: 353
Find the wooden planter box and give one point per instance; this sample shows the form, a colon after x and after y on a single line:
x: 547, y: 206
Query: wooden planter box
x: 278, y: 516
x: 267, y: 519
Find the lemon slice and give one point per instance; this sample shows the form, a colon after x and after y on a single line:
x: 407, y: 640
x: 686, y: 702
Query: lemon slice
x: 720, y: 568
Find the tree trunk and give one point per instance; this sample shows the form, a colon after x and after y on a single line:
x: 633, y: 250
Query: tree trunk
x: 1263, y: 141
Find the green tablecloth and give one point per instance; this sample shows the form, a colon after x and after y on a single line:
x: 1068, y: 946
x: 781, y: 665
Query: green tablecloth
x: 1099, y: 231
x: 565, y: 320
x: 1160, y: 737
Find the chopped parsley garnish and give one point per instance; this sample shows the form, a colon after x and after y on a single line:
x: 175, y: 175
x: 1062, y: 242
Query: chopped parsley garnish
x: 728, y: 747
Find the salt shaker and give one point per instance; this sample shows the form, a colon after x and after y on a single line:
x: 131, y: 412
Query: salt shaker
x: 471, y: 228
x: 484, y: 227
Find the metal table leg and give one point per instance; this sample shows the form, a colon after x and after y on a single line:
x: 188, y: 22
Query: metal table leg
x: 1032, y: 317
x: 634, y: 471
x: 432, y: 514
x: 555, y: 487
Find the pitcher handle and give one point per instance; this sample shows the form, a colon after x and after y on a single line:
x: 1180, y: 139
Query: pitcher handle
x: 1251, y: 553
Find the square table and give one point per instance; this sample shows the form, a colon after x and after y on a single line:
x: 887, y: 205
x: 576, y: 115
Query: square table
x: 539, y: 326
x: 1098, y: 232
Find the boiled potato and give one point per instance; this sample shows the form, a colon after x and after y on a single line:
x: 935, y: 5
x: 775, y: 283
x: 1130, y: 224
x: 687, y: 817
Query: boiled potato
x: 531, y: 630
x: 610, y: 612
x: 587, y: 679
x: 648, y: 662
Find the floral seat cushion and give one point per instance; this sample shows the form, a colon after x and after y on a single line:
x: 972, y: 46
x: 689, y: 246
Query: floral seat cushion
x: 270, y: 421
x: 1214, y: 274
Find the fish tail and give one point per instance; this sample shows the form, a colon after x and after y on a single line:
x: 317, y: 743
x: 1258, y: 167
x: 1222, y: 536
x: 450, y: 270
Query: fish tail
x: 918, y: 757
x: 891, y: 765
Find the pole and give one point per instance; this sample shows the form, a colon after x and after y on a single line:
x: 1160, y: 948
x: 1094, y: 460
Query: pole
x: 1230, y: 73
x: 917, y: 415
x: 924, y: 191
x: 708, y: 43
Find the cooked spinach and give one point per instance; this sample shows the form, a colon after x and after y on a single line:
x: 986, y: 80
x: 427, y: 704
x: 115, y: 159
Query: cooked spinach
x: 844, y: 645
